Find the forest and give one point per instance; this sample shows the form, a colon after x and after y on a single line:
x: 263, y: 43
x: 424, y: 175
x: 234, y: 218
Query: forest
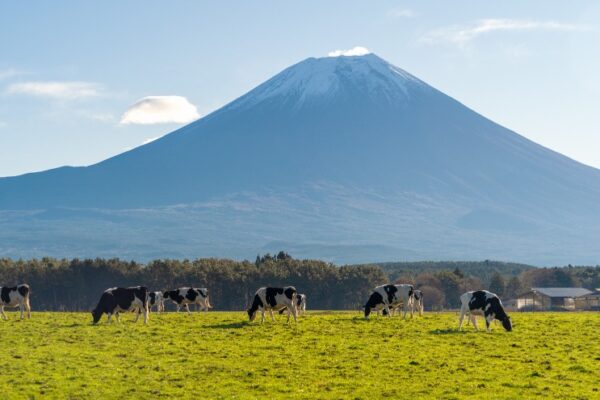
x: 76, y: 284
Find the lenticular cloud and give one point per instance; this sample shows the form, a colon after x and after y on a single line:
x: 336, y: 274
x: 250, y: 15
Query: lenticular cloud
x: 160, y: 110
x: 356, y: 51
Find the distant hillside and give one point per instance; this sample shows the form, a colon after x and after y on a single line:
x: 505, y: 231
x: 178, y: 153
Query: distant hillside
x: 480, y: 269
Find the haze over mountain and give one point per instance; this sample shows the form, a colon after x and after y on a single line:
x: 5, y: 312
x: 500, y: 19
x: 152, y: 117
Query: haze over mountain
x: 346, y: 158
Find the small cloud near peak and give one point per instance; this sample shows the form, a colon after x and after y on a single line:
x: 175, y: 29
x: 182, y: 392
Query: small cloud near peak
x: 160, y: 110
x: 356, y: 51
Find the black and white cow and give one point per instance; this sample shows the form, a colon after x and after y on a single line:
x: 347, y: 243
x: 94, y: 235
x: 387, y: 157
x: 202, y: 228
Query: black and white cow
x: 300, y: 305
x: 185, y: 296
x: 115, y: 300
x: 482, y: 302
x: 417, y: 301
x: 389, y: 297
x: 271, y: 298
x: 17, y: 296
x: 156, y: 299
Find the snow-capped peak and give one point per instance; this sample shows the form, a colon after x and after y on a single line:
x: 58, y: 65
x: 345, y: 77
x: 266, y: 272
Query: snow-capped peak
x: 323, y: 79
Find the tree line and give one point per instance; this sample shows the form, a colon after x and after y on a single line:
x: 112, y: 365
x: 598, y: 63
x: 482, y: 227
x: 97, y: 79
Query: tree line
x: 76, y: 284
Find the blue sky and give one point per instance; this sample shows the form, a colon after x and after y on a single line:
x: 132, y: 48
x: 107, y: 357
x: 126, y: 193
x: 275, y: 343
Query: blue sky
x: 80, y: 82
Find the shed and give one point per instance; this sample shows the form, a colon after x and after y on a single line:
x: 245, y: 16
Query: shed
x: 552, y: 298
x: 588, y: 302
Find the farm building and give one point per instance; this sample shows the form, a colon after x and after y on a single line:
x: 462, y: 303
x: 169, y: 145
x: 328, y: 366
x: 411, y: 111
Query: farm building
x: 589, y: 302
x: 545, y: 299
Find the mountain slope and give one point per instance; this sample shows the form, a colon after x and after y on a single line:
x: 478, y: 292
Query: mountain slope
x: 348, y: 139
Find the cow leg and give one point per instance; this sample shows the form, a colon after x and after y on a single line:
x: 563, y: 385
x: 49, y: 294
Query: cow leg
x: 146, y: 312
x: 294, y: 313
x: 4, y: 317
x: 462, y: 316
x: 137, y: 314
x: 109, y: 316
x: 22, y: 309
x: 28, y: 308
x: 387, y: 309
x: 474, y: 320
x: 271, y: 314
x: 488, y: 322
x: 262, y: 316
x: 187, y: 308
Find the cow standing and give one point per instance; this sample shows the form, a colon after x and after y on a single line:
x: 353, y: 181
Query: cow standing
x: 17, y: 296
x: 115, y: 300
x: 271, y: 298
x: 389, y: 297
x: 185, y: 296
x: 156, y: 299
x: 417, y: 301
x: 482, y: 302
x: 300, y: 305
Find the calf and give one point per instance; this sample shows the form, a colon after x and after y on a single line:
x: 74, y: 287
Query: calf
x: 156, y: 299
x: 482, y: 302
x: 270, y: 298
x: 300, y: 305
x: 185, y: 296
x: 17, y: 296
x: 115, y: 300
x: 386, y: 297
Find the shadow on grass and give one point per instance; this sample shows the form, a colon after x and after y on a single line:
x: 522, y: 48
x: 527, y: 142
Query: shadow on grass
x: 451, y: 331
x: 229, y: 325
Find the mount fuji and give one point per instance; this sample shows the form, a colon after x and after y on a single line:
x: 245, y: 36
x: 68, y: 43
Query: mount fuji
x: 348, y: 158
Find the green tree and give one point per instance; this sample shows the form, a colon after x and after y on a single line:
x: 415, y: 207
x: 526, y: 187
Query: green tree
x: 497, y: 284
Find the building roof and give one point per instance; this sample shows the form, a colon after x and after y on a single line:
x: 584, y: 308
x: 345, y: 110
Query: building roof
x: 595, y: 293
x: 561, y: 291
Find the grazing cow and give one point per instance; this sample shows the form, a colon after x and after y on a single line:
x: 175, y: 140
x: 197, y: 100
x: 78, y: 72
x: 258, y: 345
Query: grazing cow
x: 156, y: 299
x: 482, y: 302
x: 185, y: 296
x: 270, y: 298
x: 389, y: 297
x: 17, y: 296
x: 115, y: 300
x: 417, y: 301
x: 300, y: 305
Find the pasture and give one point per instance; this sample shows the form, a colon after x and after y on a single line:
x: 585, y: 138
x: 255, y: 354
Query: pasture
x: 328, y: 355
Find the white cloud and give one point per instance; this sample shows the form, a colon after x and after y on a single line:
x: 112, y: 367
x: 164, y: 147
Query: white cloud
x: 159, y: 110
x: 401, y: 13
x: 57, y: 90
x: 356, y: 51
x: 462, y: 35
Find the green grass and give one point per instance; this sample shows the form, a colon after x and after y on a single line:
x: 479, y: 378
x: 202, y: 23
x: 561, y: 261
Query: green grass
x: 326, y: 355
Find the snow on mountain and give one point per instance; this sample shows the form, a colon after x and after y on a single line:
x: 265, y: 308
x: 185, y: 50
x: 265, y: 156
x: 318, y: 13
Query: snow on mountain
x: 323, y: 79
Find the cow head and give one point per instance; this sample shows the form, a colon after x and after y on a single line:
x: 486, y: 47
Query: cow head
x: 507, y: 323
x: 251, y: 314
x: 96, y: 315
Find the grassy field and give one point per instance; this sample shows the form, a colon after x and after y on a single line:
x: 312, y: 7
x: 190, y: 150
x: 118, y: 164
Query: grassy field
x: 326, y: 355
